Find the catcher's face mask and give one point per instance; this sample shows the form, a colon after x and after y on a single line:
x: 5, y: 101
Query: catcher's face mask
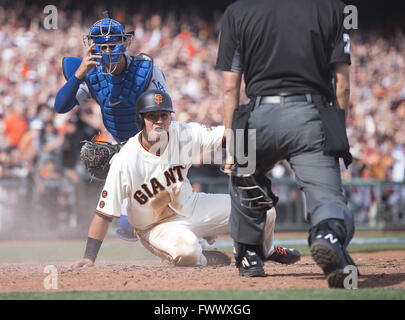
x: 111, y: 41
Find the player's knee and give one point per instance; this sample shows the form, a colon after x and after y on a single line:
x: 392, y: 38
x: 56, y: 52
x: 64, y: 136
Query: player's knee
x: 187, y: 251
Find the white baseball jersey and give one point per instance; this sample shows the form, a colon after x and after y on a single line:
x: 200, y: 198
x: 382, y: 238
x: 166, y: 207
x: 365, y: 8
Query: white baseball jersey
x: 158, y: 81
x: 157, y: 185
x: 169, y: 218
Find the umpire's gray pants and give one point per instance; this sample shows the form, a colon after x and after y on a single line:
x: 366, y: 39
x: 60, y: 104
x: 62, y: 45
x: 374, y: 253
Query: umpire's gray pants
x: 293, y: 131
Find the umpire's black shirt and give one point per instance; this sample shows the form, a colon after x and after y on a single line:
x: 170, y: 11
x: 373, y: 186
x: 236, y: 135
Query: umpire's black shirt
x: 284, y: 45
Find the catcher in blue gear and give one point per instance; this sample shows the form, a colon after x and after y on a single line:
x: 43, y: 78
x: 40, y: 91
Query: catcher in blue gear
x: 115, y: 80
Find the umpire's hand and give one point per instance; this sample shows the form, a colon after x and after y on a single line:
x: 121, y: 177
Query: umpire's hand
x: 82, y: 263
x: 87, y: 63
x: 229, y: 164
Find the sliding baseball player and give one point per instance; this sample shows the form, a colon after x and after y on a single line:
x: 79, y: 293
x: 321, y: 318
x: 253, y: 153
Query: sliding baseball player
x: 169, y: 218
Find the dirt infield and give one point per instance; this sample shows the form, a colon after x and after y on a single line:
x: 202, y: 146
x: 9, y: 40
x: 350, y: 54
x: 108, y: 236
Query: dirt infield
x: 378, y: 269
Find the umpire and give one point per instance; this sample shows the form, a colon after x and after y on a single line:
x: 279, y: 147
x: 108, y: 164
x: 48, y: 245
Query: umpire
x: 294, y: 56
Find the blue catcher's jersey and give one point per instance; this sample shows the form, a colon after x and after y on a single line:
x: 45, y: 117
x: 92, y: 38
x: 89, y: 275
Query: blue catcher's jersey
x: 117, y: 95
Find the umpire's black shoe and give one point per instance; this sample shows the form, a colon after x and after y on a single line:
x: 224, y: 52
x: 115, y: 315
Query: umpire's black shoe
x: 328, y: 252
x: 251, y: 265
x: 284, y: 255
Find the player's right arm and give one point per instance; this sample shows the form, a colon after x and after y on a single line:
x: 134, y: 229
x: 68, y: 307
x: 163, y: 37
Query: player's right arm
x: 97, y: 231
x: 114, y: 192
x: 66, y: 99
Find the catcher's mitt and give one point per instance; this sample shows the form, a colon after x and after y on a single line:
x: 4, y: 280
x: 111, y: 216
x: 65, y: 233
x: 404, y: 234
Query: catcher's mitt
x: 96, y: 156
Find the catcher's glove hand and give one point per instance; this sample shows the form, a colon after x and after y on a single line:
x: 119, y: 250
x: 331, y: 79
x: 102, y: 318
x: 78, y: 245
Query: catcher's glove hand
x: 96, y: 156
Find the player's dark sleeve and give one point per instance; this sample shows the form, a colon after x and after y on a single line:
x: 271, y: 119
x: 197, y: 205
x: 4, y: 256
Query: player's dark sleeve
x: 229, y: 45
x: 65, y: 99
x: 340, y: 46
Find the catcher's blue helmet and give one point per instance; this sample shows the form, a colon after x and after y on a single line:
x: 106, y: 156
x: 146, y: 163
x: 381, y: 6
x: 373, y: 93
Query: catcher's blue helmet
x: 111, y: 41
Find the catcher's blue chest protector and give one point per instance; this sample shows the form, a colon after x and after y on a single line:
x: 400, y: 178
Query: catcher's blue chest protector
x: 117, y: 95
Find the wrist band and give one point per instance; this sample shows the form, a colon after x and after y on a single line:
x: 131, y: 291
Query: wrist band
x: 92, y: 248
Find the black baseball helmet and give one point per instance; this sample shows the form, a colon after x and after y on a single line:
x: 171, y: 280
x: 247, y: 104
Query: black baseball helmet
x: 151, y: 100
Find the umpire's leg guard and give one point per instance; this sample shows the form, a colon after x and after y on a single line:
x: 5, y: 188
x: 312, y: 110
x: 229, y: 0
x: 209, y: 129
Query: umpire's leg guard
x: 251, y: 198
x: 253, y: 191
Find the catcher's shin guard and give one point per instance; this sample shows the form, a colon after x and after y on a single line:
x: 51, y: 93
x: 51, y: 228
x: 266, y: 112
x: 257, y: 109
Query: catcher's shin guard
x: 253, y: 191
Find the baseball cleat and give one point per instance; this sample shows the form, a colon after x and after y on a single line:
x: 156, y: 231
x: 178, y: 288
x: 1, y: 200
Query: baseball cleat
x: 284, y: 255
x: 125, y: 230
x: 125, y: 235
x: 216, y: 258
x: 251, y: 265
x: 331, y: 256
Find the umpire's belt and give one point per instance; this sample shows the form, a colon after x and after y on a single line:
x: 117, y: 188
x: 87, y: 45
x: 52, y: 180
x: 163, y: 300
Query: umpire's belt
x: 309, y: 97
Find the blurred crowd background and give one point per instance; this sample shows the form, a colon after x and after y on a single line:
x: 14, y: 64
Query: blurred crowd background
x: 40, y: 146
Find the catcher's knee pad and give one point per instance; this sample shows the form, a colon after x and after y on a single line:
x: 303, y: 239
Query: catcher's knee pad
x: 253, y: 192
